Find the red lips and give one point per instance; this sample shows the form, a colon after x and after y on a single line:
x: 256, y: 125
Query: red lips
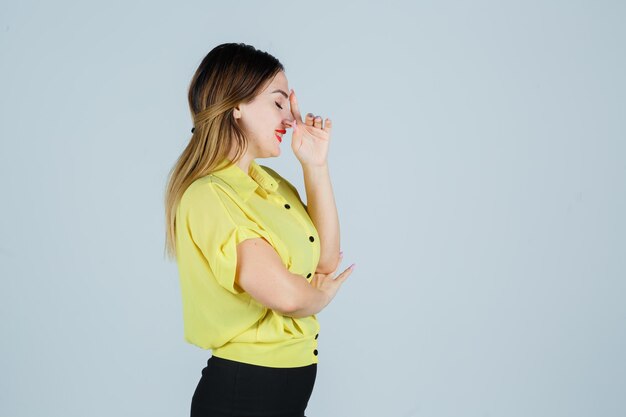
x: 280, y: 131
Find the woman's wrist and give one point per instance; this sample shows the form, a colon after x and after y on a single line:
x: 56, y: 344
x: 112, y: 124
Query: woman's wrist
x: 311, y: 300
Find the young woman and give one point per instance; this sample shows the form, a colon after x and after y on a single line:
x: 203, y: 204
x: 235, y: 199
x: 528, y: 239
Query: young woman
x: 255, y: 263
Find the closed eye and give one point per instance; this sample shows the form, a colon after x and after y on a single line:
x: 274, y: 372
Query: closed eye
x: 278, y: 106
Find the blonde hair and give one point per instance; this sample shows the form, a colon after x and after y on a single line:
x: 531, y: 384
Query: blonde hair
x: 230, y: 74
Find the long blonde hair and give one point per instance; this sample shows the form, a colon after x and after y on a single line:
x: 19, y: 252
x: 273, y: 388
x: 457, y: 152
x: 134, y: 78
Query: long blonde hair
x: 230, y: 74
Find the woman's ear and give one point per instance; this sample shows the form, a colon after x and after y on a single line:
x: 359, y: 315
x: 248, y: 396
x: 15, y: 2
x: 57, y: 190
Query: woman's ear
x: 237, y: 112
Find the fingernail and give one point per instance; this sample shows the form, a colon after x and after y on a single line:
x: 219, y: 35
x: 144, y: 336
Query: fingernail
x: 341, y: 253
x: 353, y: 266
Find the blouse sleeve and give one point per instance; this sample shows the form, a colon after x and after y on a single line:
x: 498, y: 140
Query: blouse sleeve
x: 217, y: 224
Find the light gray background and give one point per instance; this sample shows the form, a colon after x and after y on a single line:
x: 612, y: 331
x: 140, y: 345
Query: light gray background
x: 479, y: 166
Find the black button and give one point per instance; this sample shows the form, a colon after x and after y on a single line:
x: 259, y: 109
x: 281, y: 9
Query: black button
x: 316, y: 336
x: 315, y: 352
x: 311, y: 238
x: 287, y: 206
x: 308, y: 275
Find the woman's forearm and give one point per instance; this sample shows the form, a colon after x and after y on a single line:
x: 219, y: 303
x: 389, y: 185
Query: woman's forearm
x: 323, y: 212
x: 305, y: 299
x: 313, y: 301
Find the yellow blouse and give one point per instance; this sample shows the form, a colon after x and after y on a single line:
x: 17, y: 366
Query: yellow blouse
x: 215, y: 213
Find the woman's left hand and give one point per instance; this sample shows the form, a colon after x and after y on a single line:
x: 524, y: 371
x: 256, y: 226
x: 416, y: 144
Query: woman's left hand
x: 309, y: 139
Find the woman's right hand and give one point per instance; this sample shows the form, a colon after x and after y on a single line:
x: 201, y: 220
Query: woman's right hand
x: 328, y: 284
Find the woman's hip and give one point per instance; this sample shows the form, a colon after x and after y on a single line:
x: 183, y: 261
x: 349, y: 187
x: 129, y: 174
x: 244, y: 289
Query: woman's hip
x: 237, y: 388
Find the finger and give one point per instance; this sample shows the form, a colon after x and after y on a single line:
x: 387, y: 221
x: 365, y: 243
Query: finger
x: 318, y: 122
x: 295, y: 109
x: 309, y: 119
x: 328, y: 125
x: 345, y: 274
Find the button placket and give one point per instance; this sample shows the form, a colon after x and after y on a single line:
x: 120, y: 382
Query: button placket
x: 311, y: 239
x: 300, y: 220
x: 287, y: 206
x: 315, y: 351
x: 281, y: 200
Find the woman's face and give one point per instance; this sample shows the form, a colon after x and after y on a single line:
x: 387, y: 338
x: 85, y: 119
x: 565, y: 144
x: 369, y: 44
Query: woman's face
x: 266, y: 118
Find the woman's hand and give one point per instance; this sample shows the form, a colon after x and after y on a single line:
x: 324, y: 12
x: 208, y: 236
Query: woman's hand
x: 329, y: 285
x: 309, y: 139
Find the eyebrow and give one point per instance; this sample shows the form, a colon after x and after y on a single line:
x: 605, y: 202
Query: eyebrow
x: 281, y: 92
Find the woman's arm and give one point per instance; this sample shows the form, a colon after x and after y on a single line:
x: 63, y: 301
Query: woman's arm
x: 322, y: 209
x: 261, y: 273
x: 309, y: 142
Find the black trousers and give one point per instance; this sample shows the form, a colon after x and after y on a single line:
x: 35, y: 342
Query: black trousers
x: 236, y: 389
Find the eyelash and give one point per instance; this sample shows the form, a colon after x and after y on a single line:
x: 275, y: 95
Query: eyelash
x: 278, y: 105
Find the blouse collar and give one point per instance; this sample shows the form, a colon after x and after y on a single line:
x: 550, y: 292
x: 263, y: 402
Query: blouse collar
x: 245, y: 184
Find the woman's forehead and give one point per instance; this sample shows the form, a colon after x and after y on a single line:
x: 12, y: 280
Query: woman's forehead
x: 278, y: 82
